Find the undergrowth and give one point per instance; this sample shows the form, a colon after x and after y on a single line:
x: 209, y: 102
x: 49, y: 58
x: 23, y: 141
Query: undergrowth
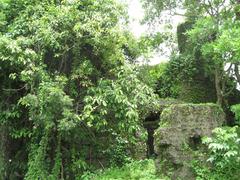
x: 136, y: 170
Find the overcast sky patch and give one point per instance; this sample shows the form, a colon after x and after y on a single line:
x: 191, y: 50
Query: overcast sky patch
x: 136, y: 14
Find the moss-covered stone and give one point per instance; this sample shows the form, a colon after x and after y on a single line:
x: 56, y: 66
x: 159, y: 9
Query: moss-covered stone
x: 200, y: 91
x: 179, y: 135
x: 199, y: 86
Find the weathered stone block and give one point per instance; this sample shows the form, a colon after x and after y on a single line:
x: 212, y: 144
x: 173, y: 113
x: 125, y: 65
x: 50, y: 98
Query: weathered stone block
x: 181, y: 128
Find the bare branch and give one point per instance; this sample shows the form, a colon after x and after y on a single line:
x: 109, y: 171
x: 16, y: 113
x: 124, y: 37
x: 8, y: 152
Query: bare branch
x: 19, y: 89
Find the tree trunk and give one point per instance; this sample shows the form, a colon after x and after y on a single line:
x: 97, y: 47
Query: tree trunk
x: 218, y: 87
x: 3, y: 152
x: 236, y: 71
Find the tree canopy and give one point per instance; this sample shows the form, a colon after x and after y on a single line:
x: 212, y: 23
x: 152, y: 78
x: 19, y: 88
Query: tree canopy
x: 73, y: 98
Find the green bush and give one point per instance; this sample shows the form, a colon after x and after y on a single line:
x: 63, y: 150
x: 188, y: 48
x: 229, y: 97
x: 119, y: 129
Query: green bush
x: 223, y: 155
x: 236, y: 110
x: 137, y: 170
x: 118, y: 153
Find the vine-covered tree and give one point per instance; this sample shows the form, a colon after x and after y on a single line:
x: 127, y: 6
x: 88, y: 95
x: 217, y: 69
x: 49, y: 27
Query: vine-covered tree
x: 213, y: 24
x: 66, y: 83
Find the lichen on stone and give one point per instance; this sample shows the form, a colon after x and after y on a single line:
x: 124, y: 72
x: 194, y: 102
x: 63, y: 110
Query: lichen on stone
x: 176, y: 142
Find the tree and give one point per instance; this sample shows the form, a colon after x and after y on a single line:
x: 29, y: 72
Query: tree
x: 63, y: 69
x: 209, y: 19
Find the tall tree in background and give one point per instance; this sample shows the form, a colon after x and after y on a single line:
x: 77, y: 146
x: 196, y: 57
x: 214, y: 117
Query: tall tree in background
x: 214, y: 26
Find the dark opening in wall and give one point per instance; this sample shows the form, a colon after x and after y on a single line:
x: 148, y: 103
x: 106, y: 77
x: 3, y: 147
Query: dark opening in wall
x: 195, y: 142
x: 151, y: 124
x: 150, y: 143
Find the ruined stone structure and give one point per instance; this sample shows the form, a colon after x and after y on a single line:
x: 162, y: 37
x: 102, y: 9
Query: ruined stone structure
x: 179, y: 135
x: 151, y: 123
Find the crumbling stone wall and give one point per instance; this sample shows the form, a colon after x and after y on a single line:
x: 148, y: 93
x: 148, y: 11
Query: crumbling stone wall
x: 181, y: 128
x: 151, y: 123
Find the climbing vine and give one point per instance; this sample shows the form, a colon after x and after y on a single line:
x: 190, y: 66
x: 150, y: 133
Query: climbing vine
x: 67, y: 83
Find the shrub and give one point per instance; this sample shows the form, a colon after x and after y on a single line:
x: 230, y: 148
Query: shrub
x: 136, y: 170
x: 223, y: 155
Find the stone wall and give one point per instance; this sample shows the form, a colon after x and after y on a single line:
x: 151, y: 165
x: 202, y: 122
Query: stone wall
x: 151, y: 123
x: 181, y: 128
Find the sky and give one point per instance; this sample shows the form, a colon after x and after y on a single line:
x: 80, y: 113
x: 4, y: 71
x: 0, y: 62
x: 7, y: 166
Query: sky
x: 136, y: 13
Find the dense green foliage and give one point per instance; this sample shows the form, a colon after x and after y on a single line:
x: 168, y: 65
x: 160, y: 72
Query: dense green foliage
x: 144, y: 169
x: 73, y: 98
x: 206, y: 69
x: 66, y: 84
x: 236, y: 110
x: 223, y: 155
x: 150, y: 74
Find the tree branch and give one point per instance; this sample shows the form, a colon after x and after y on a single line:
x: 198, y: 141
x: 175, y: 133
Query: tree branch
x: 19, y: 89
